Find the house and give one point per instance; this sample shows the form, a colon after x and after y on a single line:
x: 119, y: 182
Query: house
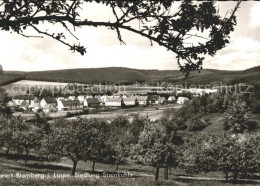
x: 46, y: 100
x: 114, y: 102
x: 130, y: 101
x: 24, y: 105
x: 103, y: 98
x: 171, y: 99
x: 182, y: 100
x: 153, y: 99
x: 35, y: 107
x: 68, y: 104
x: 12, y: 105
x: 93, y: 102
x: 35, y: 100
x: 142, y: 100
x: 161, y: 100
x: 49, y: 107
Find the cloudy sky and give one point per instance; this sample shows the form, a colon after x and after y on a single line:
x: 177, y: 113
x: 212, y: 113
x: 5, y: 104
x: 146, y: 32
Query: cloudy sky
x: 104, y: 50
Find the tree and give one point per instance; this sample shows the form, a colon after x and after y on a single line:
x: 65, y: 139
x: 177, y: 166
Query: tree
x: 28, y: 137
x: 157, y: 22
x: 155, y: 148
x: 237, y: 116
x: 4, y: 98
x: 74, y: 140
x: 225, y: 153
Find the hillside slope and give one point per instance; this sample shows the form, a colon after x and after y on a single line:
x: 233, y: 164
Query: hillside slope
x: 127, y: 75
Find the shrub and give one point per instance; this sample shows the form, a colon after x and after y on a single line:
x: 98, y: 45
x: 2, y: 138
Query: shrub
x: 197, y: 125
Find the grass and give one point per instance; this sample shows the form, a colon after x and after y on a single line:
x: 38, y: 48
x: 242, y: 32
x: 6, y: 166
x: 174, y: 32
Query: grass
x: 134, y: 174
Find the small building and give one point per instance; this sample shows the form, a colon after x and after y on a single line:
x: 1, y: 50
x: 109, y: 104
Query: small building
x: 162, y: 100
x: 142, y: 100
x: 130, y: 101
x: 153, y: 99
x: 93, y: 102
x: 182, y: 100
x: 114, y: 102
x: 172, y: 99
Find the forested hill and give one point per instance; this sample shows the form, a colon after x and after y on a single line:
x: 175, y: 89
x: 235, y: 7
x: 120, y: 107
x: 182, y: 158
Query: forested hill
x: 127, y: 75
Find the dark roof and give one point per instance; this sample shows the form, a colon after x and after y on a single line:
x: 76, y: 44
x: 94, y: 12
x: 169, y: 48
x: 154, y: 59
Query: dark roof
x: 70, y: 102
x: 24, y: 104
x: 154, y: 97
x: 93, y: 101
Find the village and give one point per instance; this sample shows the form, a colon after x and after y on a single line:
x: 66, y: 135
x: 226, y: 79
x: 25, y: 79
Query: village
x: 28, y: 106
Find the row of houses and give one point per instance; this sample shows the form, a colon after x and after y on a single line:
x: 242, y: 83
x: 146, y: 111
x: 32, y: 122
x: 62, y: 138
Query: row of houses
x: 51, y: 104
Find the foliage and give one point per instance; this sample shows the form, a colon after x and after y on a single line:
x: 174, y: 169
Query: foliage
x: 225, y: 153
x: 156, y: 147
x: 237, y: 115
x: 157, y: 23
x: 20, y: 136
x: 81, y: 140
x: 196, y: 124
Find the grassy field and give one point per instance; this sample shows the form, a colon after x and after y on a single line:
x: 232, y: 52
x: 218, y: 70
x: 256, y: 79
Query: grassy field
x: 59, y: 173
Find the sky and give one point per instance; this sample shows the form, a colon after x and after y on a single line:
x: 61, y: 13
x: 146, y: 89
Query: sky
x: 104, y: 49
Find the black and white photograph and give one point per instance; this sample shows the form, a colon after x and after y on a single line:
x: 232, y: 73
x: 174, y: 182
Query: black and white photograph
x: 139, y: 92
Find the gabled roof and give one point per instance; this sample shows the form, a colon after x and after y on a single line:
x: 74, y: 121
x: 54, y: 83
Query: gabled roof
x: 24, y: 104
x: 11, y: 104
x: 36, y: 100
x: 67, y: 103
x: 183, y: 98
x: 172, y: 97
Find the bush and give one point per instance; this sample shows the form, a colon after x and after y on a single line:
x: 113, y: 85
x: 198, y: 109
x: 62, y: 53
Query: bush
x: 252, y: 125
x: 197, y: 125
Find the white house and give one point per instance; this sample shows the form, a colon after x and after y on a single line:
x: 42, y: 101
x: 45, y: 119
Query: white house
x: 182, y: 100
x: 131, y: 101
x: 68, y: 105
x: 142, y: 100
x: 114, y: 102
x: 172, y: 99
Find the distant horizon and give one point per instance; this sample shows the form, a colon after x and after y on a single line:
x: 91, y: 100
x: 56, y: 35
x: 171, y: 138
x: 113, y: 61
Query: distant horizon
x: 125, y: 68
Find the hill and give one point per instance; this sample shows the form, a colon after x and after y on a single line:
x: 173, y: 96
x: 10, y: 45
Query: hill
x: 127, y: 75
